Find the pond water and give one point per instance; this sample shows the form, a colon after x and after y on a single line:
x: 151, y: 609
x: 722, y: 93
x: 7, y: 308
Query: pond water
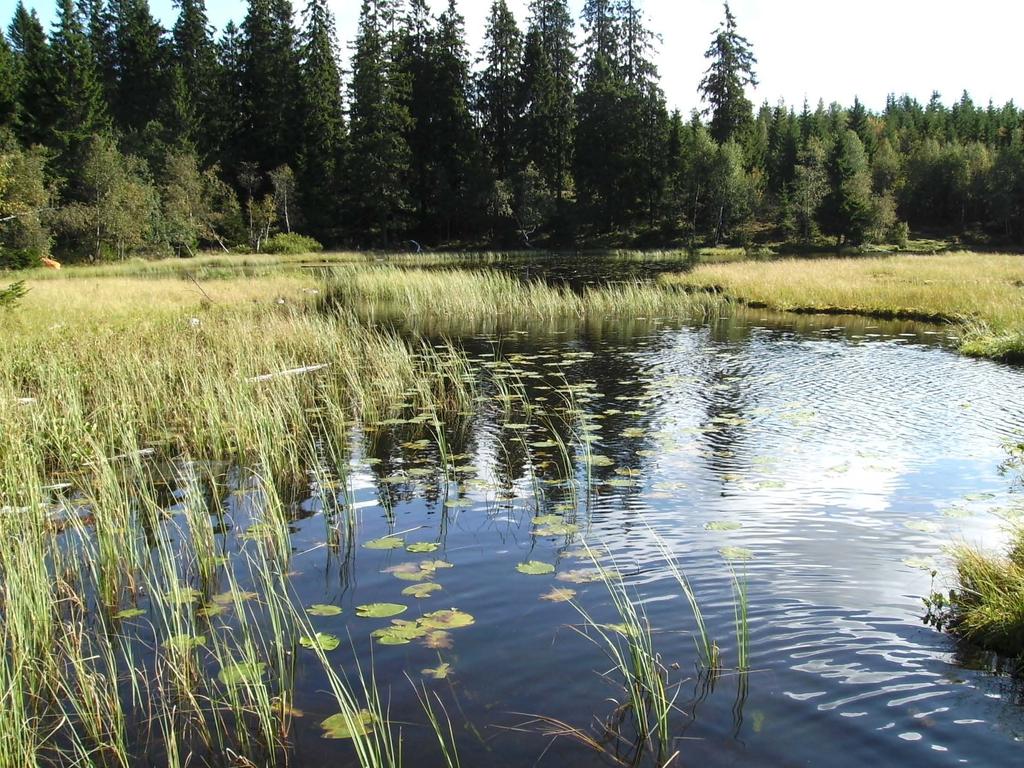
x: 823, y: 462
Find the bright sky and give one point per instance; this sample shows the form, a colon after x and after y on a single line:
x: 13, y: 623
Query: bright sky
x: 805, y: 48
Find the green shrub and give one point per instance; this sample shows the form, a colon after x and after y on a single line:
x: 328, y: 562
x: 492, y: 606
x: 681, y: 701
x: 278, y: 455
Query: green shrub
x: 291, y: 243
x: 10, y: 295
x: 19, y: 258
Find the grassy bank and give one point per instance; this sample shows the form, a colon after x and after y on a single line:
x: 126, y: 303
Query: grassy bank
x: 981, y: 294
x: 986, y: 607
x: 986, y: 604
x: 98, y: 366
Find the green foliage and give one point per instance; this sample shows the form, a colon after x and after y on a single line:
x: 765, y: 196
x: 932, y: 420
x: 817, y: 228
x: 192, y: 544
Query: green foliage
x: 846, y: 210
x: 197, y: 207
x: 25, y: 200
x: 117, y: 212
x: 987, y: 605
x: 379, y: 123
x: 291, y: 243
x: 549, y: 66
x: 10, y: 295
x: 546, y: 143
x: 731, y: 71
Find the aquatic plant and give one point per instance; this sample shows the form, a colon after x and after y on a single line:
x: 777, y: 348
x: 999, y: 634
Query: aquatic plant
x: 986, y: 606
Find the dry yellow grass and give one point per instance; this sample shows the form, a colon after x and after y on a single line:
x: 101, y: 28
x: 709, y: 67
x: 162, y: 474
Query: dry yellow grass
x: 982, y: 293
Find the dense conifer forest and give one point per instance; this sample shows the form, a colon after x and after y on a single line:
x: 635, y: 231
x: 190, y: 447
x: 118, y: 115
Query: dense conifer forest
x: 119, y: 137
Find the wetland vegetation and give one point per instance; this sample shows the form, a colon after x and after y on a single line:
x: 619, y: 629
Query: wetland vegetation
x: 295, y: 518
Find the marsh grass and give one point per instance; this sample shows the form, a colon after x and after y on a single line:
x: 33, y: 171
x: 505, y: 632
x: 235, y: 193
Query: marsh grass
x: 383, y: 293
x: 986, y: 607
x: 629, y: 645
x: 981, y: 294
x: 184, y: 381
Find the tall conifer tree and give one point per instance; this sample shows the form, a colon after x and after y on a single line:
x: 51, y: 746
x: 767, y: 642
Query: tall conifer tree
x: 453, y: 141
x: 549, y: 73
x: 378, y: 124
x: 724, y: 83
x: 78, y: 94
x: 269, y: 80
x: 8, y: 89
x: 36, y: 78
x: 142, y: 66
x: 194, y: 55
x: 321, y: 164
x: 499, y: 94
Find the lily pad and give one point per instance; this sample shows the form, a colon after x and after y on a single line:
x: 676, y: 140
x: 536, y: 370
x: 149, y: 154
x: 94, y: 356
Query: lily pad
x: 923, y: 526
x: 423, y: 547
x: 245, y: 672
x: 459, y: 503
x: 559, y: 595
x: 322, y: 640
x: 535, y: 568
x: 342, y: 726
x: 184, y: 643
x: 586, y: 575
x: 736, y: 553
x: 421, y: 591
x: 388, y: 542
x: 321, y: 609
x: 399, y: 633
x: 210, y: 610
x: 183, y: 596
x: 559, y: 529
x: 379, y: 610
x: 229, y: 597
x: 722, y: 525
x: 437, y: 639
x: 129, y: 613
x: 452, y: 619
x: 440, y: 672
x: 435, y: 565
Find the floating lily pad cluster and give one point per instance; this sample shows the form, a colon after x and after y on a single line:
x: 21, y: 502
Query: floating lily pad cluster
x: 432, y: 627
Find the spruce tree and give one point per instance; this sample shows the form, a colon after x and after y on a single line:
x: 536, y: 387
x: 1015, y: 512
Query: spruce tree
x: 602, y: 128
x: 499, y: 94
x: 322, y: 157
x: 194, y: 57
x: 8, y: 89
x: 453, y: 142
x: 846, y: 210
x: 228, y: 120
x: 142, y: 66
x: 269, y: 80
x: 549, y: 74
x: 36, y: 78
x: 417, y: 70
x: 99, y: 24
x: 78, y: 94
x: 724, y: 83
x: 378, y: 124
